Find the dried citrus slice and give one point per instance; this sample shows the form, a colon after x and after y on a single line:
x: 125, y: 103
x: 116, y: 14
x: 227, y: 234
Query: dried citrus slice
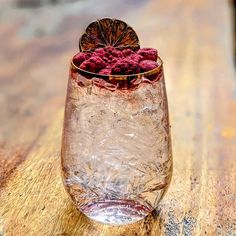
x: 108, y: 32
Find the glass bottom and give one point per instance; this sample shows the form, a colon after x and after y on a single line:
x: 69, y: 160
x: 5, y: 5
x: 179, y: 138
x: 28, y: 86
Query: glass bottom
x: 116, y: 212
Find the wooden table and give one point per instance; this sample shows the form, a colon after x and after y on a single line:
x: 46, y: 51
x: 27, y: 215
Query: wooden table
x: 194, y: 39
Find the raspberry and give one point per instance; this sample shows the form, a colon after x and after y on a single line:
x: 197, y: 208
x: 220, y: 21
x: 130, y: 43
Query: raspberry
x: 109, y: 60
x: 114, y: 60
x: 117, y: 53
x: 135, y: 57
x: 107, y: 54
x: 99, y: 52
x: 148, y: 53
x: 147, y: 65
x: 105, y: 71
x: 127, y: 52
x: 125, y: 67
x: 113, y: 52
x: 93, y: 64
x: 81, y: 57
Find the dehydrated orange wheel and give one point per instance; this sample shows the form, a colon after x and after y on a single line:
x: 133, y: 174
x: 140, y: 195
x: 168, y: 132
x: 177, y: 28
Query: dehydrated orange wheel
x: 108, y: 32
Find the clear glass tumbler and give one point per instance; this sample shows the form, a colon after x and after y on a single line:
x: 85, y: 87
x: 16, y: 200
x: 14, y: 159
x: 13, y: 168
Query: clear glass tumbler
x: 116, y: 146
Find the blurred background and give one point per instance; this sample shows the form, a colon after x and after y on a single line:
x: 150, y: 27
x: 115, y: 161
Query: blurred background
x: 195, y: 39
x: 38, y: 38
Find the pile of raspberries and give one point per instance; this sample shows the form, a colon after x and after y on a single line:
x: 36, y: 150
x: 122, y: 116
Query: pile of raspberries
x: 111, y: 61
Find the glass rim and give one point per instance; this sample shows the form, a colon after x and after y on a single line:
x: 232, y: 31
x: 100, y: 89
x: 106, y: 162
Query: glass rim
x: 156, y: 70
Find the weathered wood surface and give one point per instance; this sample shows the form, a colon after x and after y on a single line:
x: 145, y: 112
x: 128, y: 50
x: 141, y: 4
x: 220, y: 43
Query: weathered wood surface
x: 194, y: 39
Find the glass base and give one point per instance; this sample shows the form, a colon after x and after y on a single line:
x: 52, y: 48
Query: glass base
x: 116, y: 212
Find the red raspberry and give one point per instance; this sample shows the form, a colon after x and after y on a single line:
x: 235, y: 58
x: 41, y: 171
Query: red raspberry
x: 93, y: 64
x: 81, y: 57
x: 105, y: 71
x: 116, y: 53
x: 127, y: 52
x: 135, y: 57
x: 99, y: 52
x: 125, y: 67
x: 113, y: 52
x: 147, y: 65
x: 107, y: 54
x: 148, y: 53
x: 107, y: 61
x: 114, y: 60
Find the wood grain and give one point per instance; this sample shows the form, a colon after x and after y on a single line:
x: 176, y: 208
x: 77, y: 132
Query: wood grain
x: 194, y: 39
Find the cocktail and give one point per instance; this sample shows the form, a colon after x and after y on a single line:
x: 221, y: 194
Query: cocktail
x: 116, y: 147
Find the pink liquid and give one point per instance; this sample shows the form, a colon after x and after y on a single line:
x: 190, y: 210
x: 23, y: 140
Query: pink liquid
x: 116, y: 150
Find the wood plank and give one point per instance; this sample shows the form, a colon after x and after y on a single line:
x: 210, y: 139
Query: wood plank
x: 195, y: 41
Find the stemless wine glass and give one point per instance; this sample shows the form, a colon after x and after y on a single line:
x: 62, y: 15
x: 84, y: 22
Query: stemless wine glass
x: 116, y: 146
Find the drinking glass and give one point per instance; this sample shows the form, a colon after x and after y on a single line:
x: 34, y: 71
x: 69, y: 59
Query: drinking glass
x: 116, y: 146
